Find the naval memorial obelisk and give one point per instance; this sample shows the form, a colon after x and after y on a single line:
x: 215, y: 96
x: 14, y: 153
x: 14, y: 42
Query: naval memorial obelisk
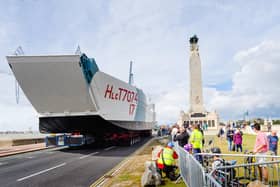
x: 197, y: 112
x: 196, y: 98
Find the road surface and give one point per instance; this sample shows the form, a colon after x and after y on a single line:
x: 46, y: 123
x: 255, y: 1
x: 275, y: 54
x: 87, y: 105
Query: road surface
x: 61, y: 166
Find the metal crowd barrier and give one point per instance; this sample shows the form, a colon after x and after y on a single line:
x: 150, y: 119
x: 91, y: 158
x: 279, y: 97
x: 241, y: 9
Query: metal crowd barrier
x: 240, y: 174
x: 245, y: 171
x: 243, y: 178
x: 192, y: 172
x: 211, y: 181
x: 183, y: 164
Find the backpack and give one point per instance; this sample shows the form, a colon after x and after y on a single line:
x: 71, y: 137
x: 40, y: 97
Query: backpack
x: 150, y: 175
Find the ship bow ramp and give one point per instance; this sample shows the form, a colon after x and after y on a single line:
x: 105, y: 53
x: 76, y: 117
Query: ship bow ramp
x: 55, y: 84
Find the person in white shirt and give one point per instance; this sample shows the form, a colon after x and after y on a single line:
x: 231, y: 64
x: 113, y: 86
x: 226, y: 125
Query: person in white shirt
x: 174, y: 131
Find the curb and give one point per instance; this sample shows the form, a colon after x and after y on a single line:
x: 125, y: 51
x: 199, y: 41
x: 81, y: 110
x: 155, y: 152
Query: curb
x: 10, y: 153
x: 21, y: 152
x: 102, y: 180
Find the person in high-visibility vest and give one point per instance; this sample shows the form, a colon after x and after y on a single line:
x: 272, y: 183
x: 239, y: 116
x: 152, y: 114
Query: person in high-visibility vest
x: 166, y: 161
x: 196, y: 140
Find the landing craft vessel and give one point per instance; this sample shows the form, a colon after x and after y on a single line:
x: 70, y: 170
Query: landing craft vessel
x: 71, y: 95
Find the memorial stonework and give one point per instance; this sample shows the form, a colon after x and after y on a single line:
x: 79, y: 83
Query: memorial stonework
x: 197, y: 112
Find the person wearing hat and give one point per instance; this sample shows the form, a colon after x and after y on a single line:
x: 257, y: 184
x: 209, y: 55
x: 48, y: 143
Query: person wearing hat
x: 166, y: 161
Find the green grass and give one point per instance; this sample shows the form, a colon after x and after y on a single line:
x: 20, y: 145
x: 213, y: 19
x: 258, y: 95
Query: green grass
x: 248, y: 144
x: 124, y: 177
x: 169, y: 183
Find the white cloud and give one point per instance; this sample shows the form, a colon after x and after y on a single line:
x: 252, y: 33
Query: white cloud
x: 168, y: 105
x: 18, y: 118
x: 14, y: 116
x: 155, y: 36
x: 255, y: 86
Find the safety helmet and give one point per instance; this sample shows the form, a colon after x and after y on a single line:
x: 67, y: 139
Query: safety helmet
x: 216, y: 150
x: 170, y: 144
x: 188, y: 147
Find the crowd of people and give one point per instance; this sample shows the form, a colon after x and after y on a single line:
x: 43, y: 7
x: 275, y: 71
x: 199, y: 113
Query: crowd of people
x: 234, y: 138
x: 191, y: 138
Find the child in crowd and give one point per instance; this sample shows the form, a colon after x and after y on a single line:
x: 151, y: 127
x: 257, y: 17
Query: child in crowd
x: 273, y: 142
x: 237, y: 139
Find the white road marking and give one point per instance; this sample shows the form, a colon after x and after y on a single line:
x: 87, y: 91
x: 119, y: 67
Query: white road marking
x: 85, y: 156
x: 3, y: 163
x: 118, y: 169
x: 40, y: 172
x: 108, y: 148
x: 103, y: 182
x: 30, y: 157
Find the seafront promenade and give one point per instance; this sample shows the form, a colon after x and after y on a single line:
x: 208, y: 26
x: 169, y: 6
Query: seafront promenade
x: 9, y: 136
x: 15, y: 143
x: 12, y: 150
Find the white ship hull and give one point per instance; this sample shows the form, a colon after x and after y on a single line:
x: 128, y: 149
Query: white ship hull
x: 71, y: 94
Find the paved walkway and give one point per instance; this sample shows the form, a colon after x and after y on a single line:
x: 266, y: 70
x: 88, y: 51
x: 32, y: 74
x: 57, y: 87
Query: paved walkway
x: 210, y: 132
x: 11, y: 150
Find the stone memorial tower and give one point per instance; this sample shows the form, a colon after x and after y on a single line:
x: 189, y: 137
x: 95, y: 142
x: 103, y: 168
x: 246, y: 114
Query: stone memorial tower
x: 196, y: 97
x: 197, y: 112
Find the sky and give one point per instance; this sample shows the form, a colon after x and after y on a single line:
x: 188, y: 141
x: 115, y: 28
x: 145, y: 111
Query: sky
x: 239, y: 45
